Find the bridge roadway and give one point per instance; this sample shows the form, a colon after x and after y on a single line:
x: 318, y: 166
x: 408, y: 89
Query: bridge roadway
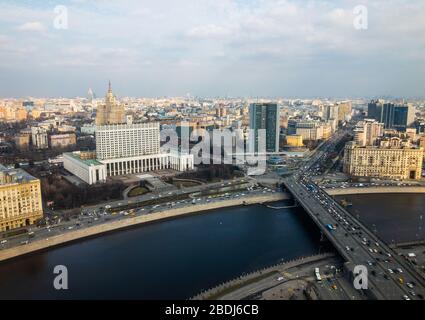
x: 350, y: 234
x: 349, y: 242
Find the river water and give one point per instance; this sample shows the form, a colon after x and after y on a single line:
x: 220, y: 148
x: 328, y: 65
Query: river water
x: 173, y: 259
x: 176, y: 259
x: 394, y: 217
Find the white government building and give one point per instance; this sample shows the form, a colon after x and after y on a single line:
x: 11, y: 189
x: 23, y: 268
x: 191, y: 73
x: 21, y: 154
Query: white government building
x: 124, y: 148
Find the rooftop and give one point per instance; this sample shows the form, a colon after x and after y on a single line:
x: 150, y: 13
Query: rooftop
x: 88, y: 162
x: 11, y: 176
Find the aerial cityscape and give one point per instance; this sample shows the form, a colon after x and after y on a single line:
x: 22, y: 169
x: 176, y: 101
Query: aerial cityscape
x: 212, y: 150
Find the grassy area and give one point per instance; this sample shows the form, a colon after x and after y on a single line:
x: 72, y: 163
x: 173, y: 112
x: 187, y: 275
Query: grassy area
x: 138, y: 191
x: 12, y: 233
x: 230, y: 289
x: 186, y: 184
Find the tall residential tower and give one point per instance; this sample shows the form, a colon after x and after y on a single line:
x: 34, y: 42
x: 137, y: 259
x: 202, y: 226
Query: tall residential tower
x: 265, y: 116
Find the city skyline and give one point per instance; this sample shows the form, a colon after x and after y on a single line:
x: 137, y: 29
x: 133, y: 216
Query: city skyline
x: 214, y: 48
x: 231, y: 151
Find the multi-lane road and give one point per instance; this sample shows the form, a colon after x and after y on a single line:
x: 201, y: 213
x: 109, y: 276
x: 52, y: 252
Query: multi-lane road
x: 98, y: 214
x: 389, y: 276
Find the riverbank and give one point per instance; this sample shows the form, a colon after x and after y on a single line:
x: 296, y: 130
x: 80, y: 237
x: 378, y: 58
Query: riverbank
x: 241, y: 287
x: 369, y: 190
x: 75, y: 235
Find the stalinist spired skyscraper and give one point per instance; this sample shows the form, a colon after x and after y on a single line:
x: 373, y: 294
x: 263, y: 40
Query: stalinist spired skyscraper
x: 111, y: 112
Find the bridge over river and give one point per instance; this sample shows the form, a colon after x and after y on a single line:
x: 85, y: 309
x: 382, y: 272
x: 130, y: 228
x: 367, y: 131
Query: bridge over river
x: 389, y: 276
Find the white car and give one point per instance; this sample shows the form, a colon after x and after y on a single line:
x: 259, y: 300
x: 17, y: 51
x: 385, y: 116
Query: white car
x: 3, y: 241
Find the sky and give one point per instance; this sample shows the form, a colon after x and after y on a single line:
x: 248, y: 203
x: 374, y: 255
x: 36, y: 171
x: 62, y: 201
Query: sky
x: 209, y: 48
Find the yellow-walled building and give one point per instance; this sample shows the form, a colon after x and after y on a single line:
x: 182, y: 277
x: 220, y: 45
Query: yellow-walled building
x: 383, y: 162
x: 20, y: 199
x: 294, y: 141
x: 36, y: 113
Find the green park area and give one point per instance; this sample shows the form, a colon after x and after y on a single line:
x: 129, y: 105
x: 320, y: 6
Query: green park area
x: 138, y: 191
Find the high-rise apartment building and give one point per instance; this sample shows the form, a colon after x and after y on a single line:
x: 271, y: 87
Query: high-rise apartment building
x: 367, y: 132
x: 221, y: 111
x: 265, y: 116
x: 20, y: 199
x: 344, y: 111
x: 111, y: 112
x: 329, y: 111
x: 340, y: 111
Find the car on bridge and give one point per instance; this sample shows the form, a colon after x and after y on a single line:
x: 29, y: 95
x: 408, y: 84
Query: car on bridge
x: 330, y: 227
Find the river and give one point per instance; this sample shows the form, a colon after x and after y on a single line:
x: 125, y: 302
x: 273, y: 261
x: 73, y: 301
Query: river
x: 173, y: 259
x: 176, y: 259
x: 394, y: 217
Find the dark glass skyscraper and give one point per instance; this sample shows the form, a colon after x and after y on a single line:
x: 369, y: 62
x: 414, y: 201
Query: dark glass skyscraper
x: 391, y: 115
x: 265, y: 116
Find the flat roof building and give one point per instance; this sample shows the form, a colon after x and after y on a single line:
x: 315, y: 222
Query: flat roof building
x: 20, y: 199
x: 390, y: 160
x: 265, y: 116
x: 85, y: 166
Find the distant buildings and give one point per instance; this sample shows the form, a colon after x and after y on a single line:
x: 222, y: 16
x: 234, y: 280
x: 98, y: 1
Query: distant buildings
x: 111, y: 112
x: 90, y: 95
x: 88, y: 129
x: 124, y: 148
x: 329, y: 112
x: 294, y: 141
x: 344, y: 111
x: 393, y: 116
x: 392, y: 159
x: 63, y: 140
x: 367, y: 132
x: 39, y: 138
x: 265, y: 116
x: 22, y: 141
x: 20, y: 198
x: 309, y: 130
x: 13, y: 113
x: 221, y: 111
x: 340, y: 111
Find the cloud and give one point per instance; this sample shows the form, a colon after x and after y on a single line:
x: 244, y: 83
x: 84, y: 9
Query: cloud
x: 240, y: 41
x: 34, y: 26
x: 208, y: 31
